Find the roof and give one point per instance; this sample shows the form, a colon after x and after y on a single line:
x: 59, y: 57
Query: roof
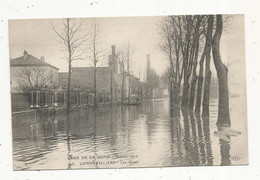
x: 30, y: 61
x: 131, y: 75
x: 90, y: 69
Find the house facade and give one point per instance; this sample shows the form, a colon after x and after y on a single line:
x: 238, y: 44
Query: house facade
x: 28, y: 72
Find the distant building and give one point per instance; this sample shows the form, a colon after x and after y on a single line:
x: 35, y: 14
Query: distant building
x: 154, y: 87
x: 82, y: 79
x: 28, y: 72
x: 134, y: 86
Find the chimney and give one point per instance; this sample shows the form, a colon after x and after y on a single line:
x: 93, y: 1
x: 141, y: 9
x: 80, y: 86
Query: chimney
x: 25, y: 55
x: 42, y: 58
x: 148, y: 57
x: 113, y: 50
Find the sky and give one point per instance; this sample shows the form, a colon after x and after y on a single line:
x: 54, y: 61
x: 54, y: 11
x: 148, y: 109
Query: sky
x: 37, y: 37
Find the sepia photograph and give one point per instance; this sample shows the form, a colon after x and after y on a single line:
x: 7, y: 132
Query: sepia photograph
x: 128, y: 92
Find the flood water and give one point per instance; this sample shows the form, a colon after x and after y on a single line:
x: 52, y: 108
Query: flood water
x: 125, y: 136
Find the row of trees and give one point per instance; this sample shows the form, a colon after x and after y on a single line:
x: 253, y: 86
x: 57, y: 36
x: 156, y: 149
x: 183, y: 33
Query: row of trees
x: 183, y: 38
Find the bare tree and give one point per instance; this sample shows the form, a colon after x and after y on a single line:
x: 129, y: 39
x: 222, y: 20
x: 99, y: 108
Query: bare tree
x: 126, y: 66
x: 73, y: 38
x: 206, y: 54
x: 184, y: 33
x: 222, y: 73
x: 171, y: 47
x: 198, y: 31
x: 33, y: 77
x: 186, y: 28
x: 207, y: 68
x: 181, y: 37
x: 97, y: 54
x: 128, y: 70
x: 168, y: 49
x: 122, y: 59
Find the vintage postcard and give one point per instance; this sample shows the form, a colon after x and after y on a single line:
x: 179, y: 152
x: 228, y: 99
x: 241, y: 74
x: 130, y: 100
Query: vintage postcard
x: 127, y: 92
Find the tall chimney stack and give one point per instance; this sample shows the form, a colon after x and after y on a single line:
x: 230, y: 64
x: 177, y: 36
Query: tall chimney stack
x: 148, y: 57
x: 113, y: 50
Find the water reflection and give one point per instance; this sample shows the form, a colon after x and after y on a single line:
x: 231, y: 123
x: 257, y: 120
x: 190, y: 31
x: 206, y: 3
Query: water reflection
x: 146, y: 132
x: 224, y: 150
x: 206, y: 132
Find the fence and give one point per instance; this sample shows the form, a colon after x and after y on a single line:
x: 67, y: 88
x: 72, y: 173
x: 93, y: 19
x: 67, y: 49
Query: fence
x: 23, y: 100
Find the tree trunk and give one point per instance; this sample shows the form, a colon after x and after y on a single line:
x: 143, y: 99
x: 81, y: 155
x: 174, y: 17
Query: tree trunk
x: 111, y: 86
x: 185, y: 93
x: 69, y: 76
x: 171, y: 97
x: 95, y: 86
x: 222, y: 72
x: 206, y: 53
x: 194, y: 72
x: 176, y: 99
x: 192, y: 91
x: 187, y: 54
x: 193, y: 80
x: 176, y: 104
x: 174, y: 93
x: 68, y: 90
x: 141, y: 94
x: 178, y: 94
x: 200, y: 81
x: 129, y: 88
x: 122, y: 88
x: 205, y: 111
x: 128, y: 72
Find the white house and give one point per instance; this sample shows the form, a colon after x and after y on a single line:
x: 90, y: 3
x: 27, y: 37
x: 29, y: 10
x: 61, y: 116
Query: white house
x: 28, y: 72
